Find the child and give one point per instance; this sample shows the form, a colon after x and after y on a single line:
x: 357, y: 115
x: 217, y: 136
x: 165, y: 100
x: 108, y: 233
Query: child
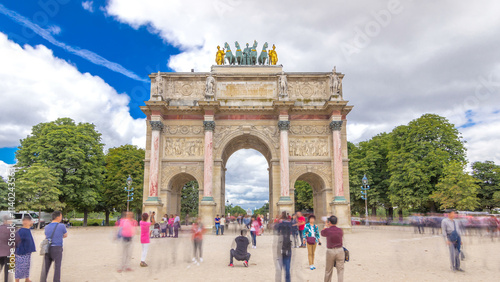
x: 23, y: 250
x: 145, y: 224
x: 163, y: 226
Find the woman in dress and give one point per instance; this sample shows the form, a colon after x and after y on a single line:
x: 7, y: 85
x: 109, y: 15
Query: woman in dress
x: 25, y: 246
x: 311, y: 237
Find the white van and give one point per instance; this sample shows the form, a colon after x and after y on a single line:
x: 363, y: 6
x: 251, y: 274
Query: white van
x: 18, y: 218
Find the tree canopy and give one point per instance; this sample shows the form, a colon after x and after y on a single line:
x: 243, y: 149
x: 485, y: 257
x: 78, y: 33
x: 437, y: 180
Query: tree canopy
x: 303, y: 196
x: 190, y: 198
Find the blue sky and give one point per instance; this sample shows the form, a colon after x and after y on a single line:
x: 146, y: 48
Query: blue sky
x: 401, y: 59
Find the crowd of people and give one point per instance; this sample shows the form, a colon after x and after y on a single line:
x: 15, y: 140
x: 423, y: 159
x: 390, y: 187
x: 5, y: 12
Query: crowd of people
x: 470, y: 223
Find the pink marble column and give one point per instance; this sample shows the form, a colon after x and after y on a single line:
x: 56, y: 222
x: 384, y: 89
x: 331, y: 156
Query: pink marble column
x: 154, y: 159
x: 284, y: 158
x: 208, y: 160
x: 336, y: 127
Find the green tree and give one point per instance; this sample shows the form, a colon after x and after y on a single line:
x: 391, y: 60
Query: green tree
x: 456, y: 189
x: 235, y: 210
x: 190, y: 199
x: 4, y: 194
x: 303, y: 196
x: 120, y: 163
x: 37, y: 190
x: 263, y: 210
x: 417, y: 155
x: 488, y: 174
x: 75, y: 153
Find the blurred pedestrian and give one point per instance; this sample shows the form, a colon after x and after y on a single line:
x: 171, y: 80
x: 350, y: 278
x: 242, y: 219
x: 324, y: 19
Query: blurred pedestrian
x: 145, y: 224
x: 335, y: 255
x: 295, y: 231
x: 187, y: 219
x: 217, y: 225
x: 171, y: 226
x: 301, y: 220
x: 54, y: 232
x: 151, y: 226
x: 283, y: 251
x: 451, y: 232
x: 311, y: 237
x: 6, y: 229
x: 254, y: 230
x: 24, y: 247
x: 177, y: 225
x: 127, y: 231
x: 239, y: 249
x: 197, y: 231
x: 222, y: 224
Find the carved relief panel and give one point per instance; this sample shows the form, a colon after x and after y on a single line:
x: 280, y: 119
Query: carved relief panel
x: 303, y: 90
x: 183, y: 147
x: 307, y: 146
x: 184, y: 89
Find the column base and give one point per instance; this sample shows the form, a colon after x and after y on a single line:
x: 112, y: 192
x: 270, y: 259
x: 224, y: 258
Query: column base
x: 285, y: 204
x: 207, y: 212
x: 341, y: 210
x: 153, y: 204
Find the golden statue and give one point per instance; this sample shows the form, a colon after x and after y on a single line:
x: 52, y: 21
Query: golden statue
x: 273, y: 56
x: 220, y: 56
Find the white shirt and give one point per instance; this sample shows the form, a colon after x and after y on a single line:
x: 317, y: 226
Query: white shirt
x: 222, y: 221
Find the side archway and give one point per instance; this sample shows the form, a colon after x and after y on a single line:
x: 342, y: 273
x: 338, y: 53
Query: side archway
x: 319, y: 190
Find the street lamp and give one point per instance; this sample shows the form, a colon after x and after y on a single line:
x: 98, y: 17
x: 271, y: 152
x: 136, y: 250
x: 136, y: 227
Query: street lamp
x: 130, y: 194
x: 364, y: 195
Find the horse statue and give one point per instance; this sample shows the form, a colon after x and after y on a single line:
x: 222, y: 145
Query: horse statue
x: 239, y: 54
x: 263, y: 55
x: 231, y: 60
x: 253, y: 54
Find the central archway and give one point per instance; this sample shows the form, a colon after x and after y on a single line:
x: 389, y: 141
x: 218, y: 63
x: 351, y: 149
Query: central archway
x: 238, y: 141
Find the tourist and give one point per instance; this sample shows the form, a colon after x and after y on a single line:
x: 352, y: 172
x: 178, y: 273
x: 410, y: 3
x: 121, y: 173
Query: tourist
x: 177, y: 225
x: 24, y: 247
x: 163, y: 227
x: 246, y: 221
x: 301, y: 221
x: 171, y: 226
x: 187, y: 219
x: 197, y: 231
x: 311, y: 237
x: 240, y: 253
x: 451, y: 231
x: 335, y: 254
x: 55, y: 233
x: 127, y: 231
x: 222, y: 224
x: 151, y: 226
x: 5, y: 230
x: 283, y: 248
x: 217, y: 225
x: 295, y: 231
x: 254, y: 230
x: 144, y: 238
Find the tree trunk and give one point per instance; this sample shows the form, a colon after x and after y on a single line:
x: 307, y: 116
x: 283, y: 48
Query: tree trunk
x: 85, y: 215
x: 390, y: 213
x: 374, y: 210
x: 400, y: 213
x: 39, y: 218
x: 107, y: 217
x: 433, y: 207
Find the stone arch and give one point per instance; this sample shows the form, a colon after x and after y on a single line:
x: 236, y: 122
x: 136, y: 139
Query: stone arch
x: 318, y: 182
x: 245, y: 139
x: 174, y: 178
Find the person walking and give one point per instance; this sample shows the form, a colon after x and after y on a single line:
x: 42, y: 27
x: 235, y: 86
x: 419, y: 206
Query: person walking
x: 127, y: 231
x: 187, y: 219
x: 222, y: 224
x: 6, y: 229
x: 55, y: 233
x: 197, y: 231
x: 295, y: 231
x: 240, y: 253
x: 177, y: 225
x: 151, y: 226
x: 335, y: 254
x: 217, y: 225
x: 301, y: 223
x: 451, y: 232
x: 171, y: 226
x: 145, y: 224
x: 24, y: 248
x: 311, y: 237
x: 254, y: 230
x: 283, y: 253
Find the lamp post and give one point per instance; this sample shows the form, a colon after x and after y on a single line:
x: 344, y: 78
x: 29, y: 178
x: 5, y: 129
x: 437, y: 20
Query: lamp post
x: 130, y: 194
x: 364, y: 195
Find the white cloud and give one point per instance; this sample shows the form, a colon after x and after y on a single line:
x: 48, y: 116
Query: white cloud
x: 38, y: 87
x: 4, y: 170
x: 88, y: 5
x: 406, y: 58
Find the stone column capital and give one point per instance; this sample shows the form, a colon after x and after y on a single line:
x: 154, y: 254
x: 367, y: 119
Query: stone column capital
x: 336, y: 125
x: 284, y: 125
x: 156, y: 125
x: 209, y: 125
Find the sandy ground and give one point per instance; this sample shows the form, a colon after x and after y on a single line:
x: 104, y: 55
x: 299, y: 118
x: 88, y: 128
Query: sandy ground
x: 377, y: 254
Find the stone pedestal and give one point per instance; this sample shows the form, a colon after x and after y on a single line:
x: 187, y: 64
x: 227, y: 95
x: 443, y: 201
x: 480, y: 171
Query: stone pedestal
x: 285, y: 204
x: 207, y: 212
x: 342, y: 211
x: 153, y: 204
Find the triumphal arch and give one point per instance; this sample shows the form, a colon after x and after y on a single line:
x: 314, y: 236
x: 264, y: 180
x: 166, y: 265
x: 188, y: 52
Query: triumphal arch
x: 297, y: 120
